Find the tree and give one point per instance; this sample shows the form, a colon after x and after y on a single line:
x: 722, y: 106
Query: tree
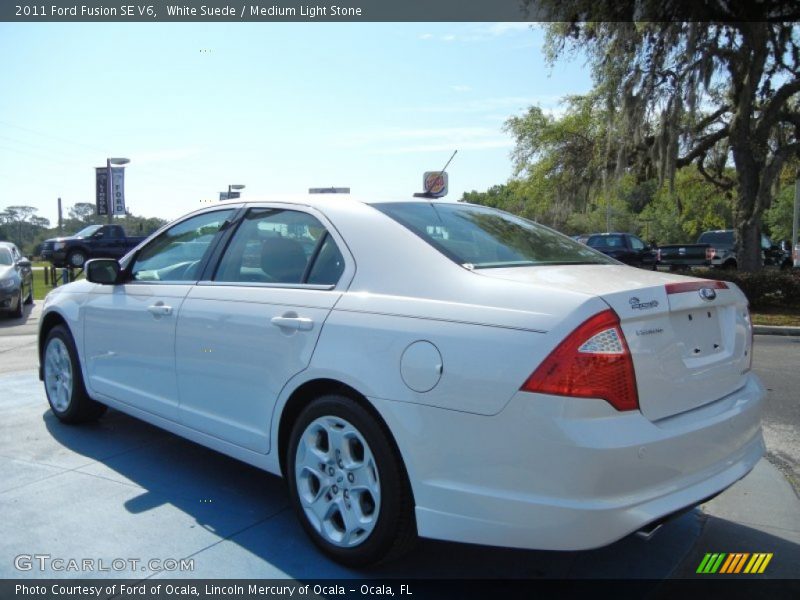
x: 85, y: 212
x: 715, y: 94
x: 22, y: 223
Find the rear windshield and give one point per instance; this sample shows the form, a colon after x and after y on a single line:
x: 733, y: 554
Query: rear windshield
x: 479, y: 237
x: 606, y: 241
x: 716, y: 237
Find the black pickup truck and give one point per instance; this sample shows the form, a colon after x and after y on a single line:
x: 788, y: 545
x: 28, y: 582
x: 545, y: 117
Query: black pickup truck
x: 716, y: 249
x: 94, y: 241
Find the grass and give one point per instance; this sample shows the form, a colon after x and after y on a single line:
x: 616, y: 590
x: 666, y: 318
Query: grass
x: 781, y: 316
x: 40, y: 289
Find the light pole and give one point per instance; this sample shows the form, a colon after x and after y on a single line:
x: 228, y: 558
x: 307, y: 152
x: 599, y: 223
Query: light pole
x: 119, y: 162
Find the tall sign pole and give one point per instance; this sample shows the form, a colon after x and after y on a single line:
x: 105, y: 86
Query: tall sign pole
x: 796, y: 220
x: 60, y: 217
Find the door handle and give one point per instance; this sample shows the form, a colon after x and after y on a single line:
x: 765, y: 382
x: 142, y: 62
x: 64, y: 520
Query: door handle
x: 160, y: 309
x: 300, y: 323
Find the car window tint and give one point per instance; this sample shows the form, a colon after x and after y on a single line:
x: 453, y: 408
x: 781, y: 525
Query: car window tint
x: 482, y: 237
x: 716, y: 237
x: 273, y: 245
x: 606, y: 241
x: 636, y: 243
x: 5, y: 257
x: 176, y: 254
x: 329, y: 265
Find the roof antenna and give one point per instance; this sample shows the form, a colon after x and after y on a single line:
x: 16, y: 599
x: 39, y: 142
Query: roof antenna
x: 427, y: 193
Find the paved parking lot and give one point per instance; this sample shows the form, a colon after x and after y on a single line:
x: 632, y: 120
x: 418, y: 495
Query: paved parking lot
x: 123, y: 489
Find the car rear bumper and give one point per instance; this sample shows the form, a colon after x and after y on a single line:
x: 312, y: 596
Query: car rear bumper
x: 569, y: 474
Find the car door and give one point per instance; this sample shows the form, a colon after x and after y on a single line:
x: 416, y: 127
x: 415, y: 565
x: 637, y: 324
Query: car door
x: 254, y: 323
x: 129, y: 328
x: 108, y: 242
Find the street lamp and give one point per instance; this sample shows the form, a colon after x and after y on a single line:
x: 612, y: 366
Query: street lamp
x: 117, y: 162
x: 231, y: 187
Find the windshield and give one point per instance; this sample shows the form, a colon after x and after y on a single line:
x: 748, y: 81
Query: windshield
x: 479, y: 237
x: 5, y: 257
x: 87, y: 231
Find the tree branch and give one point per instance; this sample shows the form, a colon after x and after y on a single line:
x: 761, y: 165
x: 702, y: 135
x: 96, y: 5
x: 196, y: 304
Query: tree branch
x: 769, y: 115
x: 703, y: 147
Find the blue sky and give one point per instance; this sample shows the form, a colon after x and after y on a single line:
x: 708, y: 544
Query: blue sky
x: 277, y: 107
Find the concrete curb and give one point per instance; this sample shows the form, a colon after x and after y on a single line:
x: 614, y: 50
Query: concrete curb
x: 775, y: 330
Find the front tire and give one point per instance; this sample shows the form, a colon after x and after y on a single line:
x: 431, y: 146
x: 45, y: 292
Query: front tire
x: 76, y: 259
x: 18, y: 312
x: 63, y: 381
x: 347, y: 484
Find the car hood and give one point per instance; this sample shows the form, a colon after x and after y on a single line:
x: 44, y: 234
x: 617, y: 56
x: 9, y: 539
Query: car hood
x: 65, y: 238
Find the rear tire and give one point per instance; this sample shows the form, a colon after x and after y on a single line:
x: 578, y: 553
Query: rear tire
x: 348, y: 485
x: 63, y: 381
x: 29, y: 299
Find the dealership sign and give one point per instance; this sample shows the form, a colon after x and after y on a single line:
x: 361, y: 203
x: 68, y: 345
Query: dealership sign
x: 101, y: 186
x: 435, y: 183
x: 118, y: 190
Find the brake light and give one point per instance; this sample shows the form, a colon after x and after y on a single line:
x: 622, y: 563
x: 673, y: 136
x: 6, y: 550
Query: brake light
x: 592, y: 362
x: 711, y: 253
x: 658, y: 255
x: 693, y: 286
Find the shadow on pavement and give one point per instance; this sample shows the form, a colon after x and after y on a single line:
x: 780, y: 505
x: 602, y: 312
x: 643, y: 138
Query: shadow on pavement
x: 248, y: 510
x: 7, y: 321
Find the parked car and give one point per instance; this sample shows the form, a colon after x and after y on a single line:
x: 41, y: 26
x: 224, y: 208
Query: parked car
x: 625, y: 247
x: 16, y: 280
x: 94, y: 241
x: 717, y: 249
x: 424, y: 368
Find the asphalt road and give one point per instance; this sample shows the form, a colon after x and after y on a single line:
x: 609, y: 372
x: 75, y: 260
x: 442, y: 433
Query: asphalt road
x: 777, y: 363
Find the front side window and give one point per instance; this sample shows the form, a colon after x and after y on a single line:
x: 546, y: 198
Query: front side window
x: 176, y: 254
x: 480, y: 237
x: 636, y: 243
x: 274, y: 245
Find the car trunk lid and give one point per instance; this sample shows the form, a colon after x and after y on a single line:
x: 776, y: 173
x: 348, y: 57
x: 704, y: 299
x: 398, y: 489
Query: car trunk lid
x: 689, y: 338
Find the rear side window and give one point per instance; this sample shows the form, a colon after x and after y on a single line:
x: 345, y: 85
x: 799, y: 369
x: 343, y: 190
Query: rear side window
x: 606, y: 241
x: 274, y: 245
x: 480, y: 237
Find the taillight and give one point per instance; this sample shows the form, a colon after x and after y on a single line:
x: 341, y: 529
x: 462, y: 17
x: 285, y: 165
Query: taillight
x: 592, y: 362
x: 658, y: 255
x: 710, y: 253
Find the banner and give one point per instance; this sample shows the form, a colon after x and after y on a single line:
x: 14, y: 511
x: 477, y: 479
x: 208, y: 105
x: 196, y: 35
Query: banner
x: 118, y: 190
x: 101, y: 182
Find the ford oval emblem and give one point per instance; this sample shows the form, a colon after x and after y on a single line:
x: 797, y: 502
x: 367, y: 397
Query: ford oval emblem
x: 707, y: 294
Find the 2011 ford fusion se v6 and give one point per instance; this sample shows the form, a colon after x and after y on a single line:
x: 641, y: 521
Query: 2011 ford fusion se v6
x: 419, y: 368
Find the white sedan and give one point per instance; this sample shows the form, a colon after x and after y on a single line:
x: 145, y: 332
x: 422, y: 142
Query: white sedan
x: 419, y: 368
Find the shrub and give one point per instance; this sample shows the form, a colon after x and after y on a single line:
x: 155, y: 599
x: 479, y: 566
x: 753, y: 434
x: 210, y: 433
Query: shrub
x: 767, y: 288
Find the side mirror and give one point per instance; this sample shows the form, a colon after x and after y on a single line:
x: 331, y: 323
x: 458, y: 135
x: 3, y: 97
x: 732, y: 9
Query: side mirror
x: 102, y: 270
x: 24, y: 263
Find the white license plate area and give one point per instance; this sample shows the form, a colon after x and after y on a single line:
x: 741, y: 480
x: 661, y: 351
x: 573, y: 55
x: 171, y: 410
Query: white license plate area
x: 699, y: 332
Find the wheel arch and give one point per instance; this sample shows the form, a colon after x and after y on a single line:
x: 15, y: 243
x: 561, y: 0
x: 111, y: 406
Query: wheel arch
x: 306, y: 393
x: 49, y: 321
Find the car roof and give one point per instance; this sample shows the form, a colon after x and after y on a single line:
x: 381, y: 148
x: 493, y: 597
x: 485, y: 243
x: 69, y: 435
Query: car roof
x: 333, y: 199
